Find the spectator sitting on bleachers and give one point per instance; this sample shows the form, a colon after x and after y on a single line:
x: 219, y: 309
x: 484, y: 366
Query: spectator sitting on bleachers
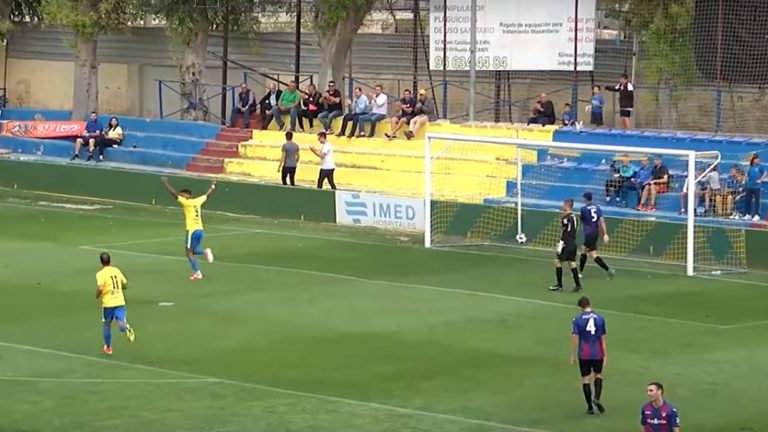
x: 568, y: 117
x: 640, y: 181
x: 621, y: 173
x: 424, y: 110
x: 113, y: 137
x: 266, y: 104
x: 407, y: 102
x: 701, y: 190
x: 245, y: 105
x: 378, y: 103
x: 310, y: 107
x: 287, y: 104
x: 543, y: 111
x: 734, y: 188
x: 659, y: 184
x: 93, y: 131
x: 357, y: 108
x: 333, y: 107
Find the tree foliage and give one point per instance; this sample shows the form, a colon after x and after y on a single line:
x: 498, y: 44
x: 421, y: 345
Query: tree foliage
x: 16, y: 11
x: 89, y: 18
x: 665, y: 30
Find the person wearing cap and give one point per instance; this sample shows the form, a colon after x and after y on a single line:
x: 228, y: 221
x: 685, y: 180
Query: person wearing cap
x: 407, y: 103
x: 327, y: 164
x: 424, y: 110
x: 756, y: 175
x: 659, y: 184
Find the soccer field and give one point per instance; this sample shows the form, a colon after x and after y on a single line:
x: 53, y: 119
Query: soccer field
x: 306, y: 327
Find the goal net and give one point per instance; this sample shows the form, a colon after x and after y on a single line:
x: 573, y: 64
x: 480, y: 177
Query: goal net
x: 508, y: 192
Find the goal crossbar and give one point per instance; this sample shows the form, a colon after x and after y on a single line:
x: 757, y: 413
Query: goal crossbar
x: 690, y: 156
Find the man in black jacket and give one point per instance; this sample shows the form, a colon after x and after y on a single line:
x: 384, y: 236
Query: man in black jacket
x: 626, y: 92
x: 543, y: 111
x: 266, y: 103
x: 244, y: 106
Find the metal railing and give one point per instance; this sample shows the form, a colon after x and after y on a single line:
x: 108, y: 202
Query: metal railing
x: 197, y: 99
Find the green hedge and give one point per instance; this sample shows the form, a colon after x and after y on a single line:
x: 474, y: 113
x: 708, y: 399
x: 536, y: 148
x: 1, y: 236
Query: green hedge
x: 142, y: 187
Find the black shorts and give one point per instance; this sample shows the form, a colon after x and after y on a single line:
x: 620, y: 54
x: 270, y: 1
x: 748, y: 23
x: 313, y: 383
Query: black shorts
x: 590, y: 242
x: 587, y: 367
x: 406, y: 117
x: 625, y: 113
x: 568, y: 254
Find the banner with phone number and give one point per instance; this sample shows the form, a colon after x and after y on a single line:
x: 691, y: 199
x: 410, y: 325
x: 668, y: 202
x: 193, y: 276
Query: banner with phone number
x: 44, y: 129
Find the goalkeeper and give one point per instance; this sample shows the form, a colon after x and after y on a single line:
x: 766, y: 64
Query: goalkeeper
x: 593, y: 224
x: 566, y: 248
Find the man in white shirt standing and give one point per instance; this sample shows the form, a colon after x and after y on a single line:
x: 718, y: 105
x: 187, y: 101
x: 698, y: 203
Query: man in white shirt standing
x: 379, y: 103
x: 327, y: 165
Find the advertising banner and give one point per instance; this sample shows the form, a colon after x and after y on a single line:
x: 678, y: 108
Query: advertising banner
x: 513, y: 35
x: 405, y: 214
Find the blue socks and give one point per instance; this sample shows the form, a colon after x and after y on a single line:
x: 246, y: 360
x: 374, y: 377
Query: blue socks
x: 107, y: 335
x: 193, y: 263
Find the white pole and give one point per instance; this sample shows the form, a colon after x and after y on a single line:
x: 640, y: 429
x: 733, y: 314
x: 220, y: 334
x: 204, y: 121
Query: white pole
x: 427, y: 193
x: 472, y: 58
x: 689, y: 234
x: 519, y: 191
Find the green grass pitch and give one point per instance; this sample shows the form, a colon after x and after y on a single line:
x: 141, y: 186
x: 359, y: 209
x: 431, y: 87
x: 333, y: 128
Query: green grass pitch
x: 311, y: 328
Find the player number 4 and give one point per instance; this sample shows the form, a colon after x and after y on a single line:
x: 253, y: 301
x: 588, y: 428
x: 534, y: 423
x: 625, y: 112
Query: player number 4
x: 591, y: 326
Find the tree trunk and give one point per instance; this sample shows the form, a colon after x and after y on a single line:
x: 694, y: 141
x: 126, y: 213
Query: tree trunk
x: 333, y: 59
x: 191, y: 70
x: 86, y: 88
x: 336, y: 40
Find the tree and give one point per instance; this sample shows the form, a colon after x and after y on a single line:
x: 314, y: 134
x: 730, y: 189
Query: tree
x: 336, y: 24
x: 665, y: 31
x: 189, y: 23
x: 88, y: 19
x: 16, y: 11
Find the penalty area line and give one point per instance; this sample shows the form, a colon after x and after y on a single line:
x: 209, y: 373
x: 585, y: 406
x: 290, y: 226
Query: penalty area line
x: 355, y: 402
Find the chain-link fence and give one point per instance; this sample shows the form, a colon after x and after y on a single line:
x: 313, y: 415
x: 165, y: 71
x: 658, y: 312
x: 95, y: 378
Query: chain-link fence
x: 698, y: 65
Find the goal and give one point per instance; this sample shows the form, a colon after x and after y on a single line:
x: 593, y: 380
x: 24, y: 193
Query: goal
x: 498, y: 192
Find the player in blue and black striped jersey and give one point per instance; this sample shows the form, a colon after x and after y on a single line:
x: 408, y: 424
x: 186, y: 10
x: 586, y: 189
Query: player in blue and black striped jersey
x: 592, y: 220
x: 588, y: 339
x: 566, y: 248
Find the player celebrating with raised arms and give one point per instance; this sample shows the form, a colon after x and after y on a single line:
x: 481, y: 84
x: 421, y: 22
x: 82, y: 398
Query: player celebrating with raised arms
x: 110, y: 284
x: 658, y: 415
x: 566, y: 248
x: 192, y: 208
x: 588, y: 336
x: 592, y: 220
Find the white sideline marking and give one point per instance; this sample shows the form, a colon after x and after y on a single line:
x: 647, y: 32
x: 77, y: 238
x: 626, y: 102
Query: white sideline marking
x: 275, y: 389
x: 99, y: 380
x: 373, y: 243
x: 419, y: 286
x: 747, y: 324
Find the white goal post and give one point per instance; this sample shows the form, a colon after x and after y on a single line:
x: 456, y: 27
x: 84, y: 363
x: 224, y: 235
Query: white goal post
x: 447, y: 158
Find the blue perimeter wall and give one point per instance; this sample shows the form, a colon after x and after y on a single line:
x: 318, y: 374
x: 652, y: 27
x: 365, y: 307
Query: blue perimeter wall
x: 152, y: 142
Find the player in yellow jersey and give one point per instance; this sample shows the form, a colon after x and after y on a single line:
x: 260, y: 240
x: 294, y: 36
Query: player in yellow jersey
x: 192, y: 208
x: 110, y: 284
